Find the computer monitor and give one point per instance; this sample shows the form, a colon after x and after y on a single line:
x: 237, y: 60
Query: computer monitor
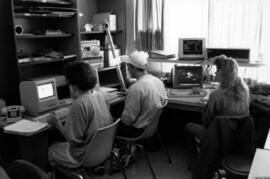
x: 241, y: 55
x: 111, y: 77
x: 39, y: 96
x: 187, y: 76
x: 192, y: 48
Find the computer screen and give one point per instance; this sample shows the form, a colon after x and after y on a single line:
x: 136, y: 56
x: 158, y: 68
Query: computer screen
x: 45, y: 90
x: 192, y: 48
x: 111, y: 77
x: 187, y: 76
x: 39, y: 95
x: 241, y: 55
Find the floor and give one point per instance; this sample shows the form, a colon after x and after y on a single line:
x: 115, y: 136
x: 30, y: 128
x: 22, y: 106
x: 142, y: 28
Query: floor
x: 172, y: 131
x: 163, y: 170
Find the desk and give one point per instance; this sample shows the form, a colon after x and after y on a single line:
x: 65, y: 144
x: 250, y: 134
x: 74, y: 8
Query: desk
x: 260, y: 165
x: 267, y: 141
x: 186, y: 103
x: 190, y: 103
x: 34, y: 148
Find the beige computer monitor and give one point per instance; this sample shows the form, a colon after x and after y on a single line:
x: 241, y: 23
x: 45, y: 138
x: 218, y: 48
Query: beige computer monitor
x: 39, y: 96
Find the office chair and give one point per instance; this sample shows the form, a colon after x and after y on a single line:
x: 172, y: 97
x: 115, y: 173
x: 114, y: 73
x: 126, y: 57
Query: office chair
x: 228, y: 144
x: 237, y: 164
x: 3, y: 174
x: 99, y: 150
x: 150, y: 130
x: 22, y: 169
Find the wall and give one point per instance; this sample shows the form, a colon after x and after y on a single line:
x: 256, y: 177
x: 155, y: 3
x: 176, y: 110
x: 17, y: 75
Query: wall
x: 87, y: 8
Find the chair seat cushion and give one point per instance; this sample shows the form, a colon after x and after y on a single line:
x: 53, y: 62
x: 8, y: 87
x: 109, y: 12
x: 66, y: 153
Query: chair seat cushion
x: 239, y: 165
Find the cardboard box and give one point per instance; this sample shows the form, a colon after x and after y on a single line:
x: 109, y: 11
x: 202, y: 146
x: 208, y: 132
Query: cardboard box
x: 101, y: 18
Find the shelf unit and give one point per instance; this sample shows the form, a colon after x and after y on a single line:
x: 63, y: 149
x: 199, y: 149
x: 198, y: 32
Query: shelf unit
x: 99, y: 32
x: 31, y: 36
x: 176, y: 61
x: 158, y: 63
x: 49, y: 39
x: 36, y: 17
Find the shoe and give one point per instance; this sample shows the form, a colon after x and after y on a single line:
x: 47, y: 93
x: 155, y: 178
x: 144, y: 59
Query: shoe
x: 127, y: 160
x: 82, y: 173
x: 99, y: 170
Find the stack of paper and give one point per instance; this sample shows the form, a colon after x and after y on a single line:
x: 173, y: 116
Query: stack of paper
x: 161, y: 54
x: 25, y: 127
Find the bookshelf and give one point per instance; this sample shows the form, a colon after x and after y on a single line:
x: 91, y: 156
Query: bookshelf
x: 48, y: 39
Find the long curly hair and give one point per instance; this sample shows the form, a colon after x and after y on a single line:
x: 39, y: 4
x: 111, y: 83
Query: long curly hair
x: 230, y: 82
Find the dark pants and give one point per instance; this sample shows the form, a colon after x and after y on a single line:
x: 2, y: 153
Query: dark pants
x: 128, y: 131
x: 194, y: 133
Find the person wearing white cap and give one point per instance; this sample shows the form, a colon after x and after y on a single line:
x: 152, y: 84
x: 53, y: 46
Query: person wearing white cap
x: 143, y: 99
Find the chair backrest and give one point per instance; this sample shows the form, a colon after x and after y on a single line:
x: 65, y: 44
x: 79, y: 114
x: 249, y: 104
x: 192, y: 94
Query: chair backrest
x: 226, y: 135
x: 3, y: 174
x: 236, y: 135
x: 151, y: 128
x: 22, y: 169
x: 100, y: 146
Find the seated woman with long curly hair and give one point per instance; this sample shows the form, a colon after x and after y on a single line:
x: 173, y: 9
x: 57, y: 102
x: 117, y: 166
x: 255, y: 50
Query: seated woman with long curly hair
x: 230, y: 98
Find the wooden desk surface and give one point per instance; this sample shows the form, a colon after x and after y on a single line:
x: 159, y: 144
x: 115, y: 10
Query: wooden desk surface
x: 260, y: 167
x: 189, y: 103
x: 267, y: 141
x: 3, y: 123
x: 186, y: 103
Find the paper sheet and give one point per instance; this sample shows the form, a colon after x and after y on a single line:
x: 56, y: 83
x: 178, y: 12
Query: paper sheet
x: 25, y: 126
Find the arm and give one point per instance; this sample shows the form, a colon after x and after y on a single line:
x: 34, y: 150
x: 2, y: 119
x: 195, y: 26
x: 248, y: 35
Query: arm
x: 74, y: 126
x: 57, y: 124
x: 209, y: 111
x: 132, y: 107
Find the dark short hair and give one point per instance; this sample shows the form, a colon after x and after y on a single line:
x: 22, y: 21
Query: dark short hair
x: 81, y: 75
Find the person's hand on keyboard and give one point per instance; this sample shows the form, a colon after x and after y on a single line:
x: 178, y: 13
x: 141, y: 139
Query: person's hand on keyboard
x: 53, y: 119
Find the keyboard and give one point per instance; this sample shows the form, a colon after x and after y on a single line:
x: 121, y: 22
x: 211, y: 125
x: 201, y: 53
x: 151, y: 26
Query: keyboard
x: 60, y: 113
x: 186, y: 92
x: 65, y: 102
x: 42, y: 118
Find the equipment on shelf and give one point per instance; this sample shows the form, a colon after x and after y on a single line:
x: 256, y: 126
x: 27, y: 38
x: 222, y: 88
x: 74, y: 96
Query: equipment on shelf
x: 19, y: 30
x: 106, y: 17
x: 90, y: 48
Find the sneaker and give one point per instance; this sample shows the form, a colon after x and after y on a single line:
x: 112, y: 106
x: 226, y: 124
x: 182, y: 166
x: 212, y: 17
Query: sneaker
x: 99, y: 170
x: 127, y: 160
x: 82, y: 173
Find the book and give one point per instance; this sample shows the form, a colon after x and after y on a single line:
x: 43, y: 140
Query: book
x: 161, y: 54
x: 25, y: 127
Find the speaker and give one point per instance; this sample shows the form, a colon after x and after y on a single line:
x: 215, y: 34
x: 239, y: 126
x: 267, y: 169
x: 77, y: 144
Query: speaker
x: 240, y: 55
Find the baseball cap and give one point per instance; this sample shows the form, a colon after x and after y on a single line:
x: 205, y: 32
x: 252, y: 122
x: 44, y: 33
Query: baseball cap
x: 138, y: 59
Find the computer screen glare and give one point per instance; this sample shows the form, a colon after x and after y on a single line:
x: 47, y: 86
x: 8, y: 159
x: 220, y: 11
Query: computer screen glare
x: 193, y: 47
x: 45, y: 90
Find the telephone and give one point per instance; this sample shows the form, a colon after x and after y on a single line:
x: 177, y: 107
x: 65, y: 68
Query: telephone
x: 13, y: 113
